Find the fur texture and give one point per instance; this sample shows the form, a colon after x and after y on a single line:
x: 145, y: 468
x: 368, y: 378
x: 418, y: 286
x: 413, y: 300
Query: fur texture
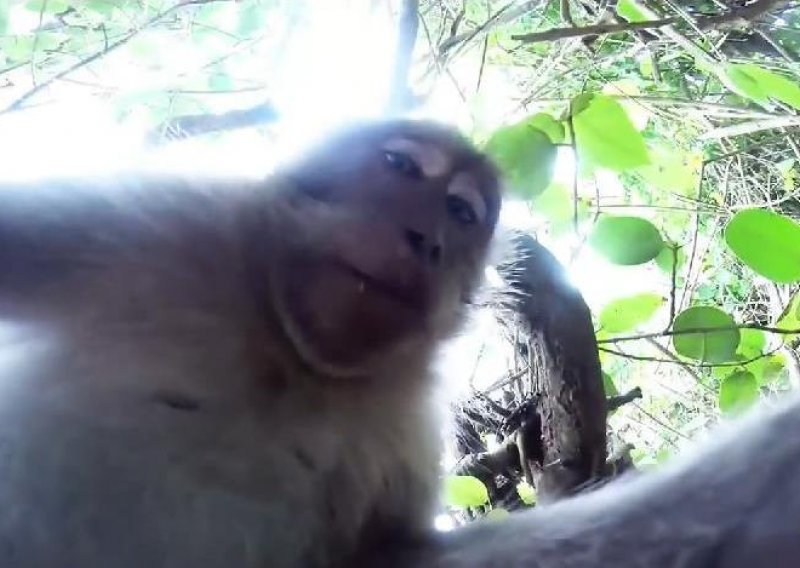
x: 164, y: 401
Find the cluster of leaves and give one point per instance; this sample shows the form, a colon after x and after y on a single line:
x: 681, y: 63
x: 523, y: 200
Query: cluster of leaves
x: 468, y: 494
x: 688, y: 131
x: 605, y: 137
x: 156, y: 58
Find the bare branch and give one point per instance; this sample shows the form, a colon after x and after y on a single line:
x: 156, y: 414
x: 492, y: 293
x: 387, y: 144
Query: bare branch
x: 614, y: 402
x: 400, y: 96
x: 667, y: 333
x: 739, y: 16
x: 36, y: 89
x: 189, y: 126
x: 595, y: 29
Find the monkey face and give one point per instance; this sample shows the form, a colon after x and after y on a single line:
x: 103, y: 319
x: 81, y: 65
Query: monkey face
x: 389, y: 225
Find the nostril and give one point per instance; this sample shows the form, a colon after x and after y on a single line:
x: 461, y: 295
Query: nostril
x: 416, y: 242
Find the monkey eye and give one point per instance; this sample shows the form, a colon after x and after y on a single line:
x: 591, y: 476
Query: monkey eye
x: 464, y: 202
x: 403, y: 164
x: 461, y: 210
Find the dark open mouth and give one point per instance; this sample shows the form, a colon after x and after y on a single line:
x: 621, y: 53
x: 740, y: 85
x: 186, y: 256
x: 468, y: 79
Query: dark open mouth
x: 410, y: 296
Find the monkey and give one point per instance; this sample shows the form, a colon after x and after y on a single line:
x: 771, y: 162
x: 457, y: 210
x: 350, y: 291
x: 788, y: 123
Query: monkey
x: 216, y: 372
x: 233, y: 373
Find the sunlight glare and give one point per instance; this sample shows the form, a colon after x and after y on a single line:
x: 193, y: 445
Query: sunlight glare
x: 76, y: 137
x: 335, y: 71
x: 444, y: 523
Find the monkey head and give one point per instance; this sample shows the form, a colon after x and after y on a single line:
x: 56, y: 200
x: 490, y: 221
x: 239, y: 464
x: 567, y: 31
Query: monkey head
x: 380, y: 236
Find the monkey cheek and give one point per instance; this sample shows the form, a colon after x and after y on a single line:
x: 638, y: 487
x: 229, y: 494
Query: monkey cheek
x: 342, y: 322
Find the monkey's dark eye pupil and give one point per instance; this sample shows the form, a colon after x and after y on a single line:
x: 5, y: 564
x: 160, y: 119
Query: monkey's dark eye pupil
x: 460, y: 210
x: 402, y: 163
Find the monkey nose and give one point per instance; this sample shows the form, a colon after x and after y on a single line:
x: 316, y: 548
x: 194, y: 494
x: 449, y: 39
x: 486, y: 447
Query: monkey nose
x: 423, y: 247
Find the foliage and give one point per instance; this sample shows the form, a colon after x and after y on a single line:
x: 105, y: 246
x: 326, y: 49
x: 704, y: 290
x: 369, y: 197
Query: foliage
x: 715, y: 346
x: 526, y: 153
x: 626, y: 240
x: 737, y: 392
x: 767, y: 242
x: 683, y: 163
x: 684, y: 197
x: 464, y: 491
x: 626, y: 314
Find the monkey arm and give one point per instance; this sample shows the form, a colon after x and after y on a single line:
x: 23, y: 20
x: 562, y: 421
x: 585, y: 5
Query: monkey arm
x: 733, y: 503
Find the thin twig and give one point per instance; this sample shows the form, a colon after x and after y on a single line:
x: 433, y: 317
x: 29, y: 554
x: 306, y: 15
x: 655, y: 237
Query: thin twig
x: 741, y: 15
x: 701, y: 365
x: 36, y: 89
x: 685, y: 366
x: 660, y: 422
x: 671, y: 332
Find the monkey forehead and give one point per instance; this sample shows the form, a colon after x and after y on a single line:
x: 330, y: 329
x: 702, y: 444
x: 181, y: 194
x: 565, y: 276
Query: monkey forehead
x: 439, y: 139
x: 433, y: 160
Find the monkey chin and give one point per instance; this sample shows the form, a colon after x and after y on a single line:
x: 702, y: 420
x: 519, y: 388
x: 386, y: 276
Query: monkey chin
x: 345, y: 323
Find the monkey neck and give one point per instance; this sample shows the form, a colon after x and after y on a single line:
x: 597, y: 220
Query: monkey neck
x: 404, y: 371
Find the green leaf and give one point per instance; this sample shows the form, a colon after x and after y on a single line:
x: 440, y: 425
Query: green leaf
x: 251, y: 19
x: 605, y: 136
x: 555, y: 204
x: 668, y: 256
x: 220, y: 82
x: 790, y: 318
x: 464, y: 491
x: 626, y: 240
x: 50, y: 6
x: 103, y: 8
x: 17, y: 48
x: 497, y: 514
x: 751, y: 343
x: 609, y: 387
x: 767, y: 242
x: 4, y: 9
x: 632, y: 11
x: 738, y: 392
x: 767, y: 369
x: 625, y: 92
x: 711, y: 346
x: 672, y: 170
x: 525, y: 154
x: 737, y: 78
x: 48, y: 41
x: 774, y: 85
x: 526, y: 493
x: 549, y: 125
x: 626, y: 314
x: 663, y: 455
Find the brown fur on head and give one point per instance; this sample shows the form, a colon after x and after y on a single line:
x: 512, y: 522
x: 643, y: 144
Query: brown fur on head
x: 377, y: 237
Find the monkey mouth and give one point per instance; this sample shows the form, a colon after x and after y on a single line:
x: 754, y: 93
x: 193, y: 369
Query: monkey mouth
x: 414, y: 295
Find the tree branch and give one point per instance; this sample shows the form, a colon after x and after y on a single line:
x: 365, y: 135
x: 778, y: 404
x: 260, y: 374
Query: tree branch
x: 36, y: 89
x: 614, y: 402
x: 400, y: 96
x: 189, y: 126
x: 743, y: 15
x: 669, y: 332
